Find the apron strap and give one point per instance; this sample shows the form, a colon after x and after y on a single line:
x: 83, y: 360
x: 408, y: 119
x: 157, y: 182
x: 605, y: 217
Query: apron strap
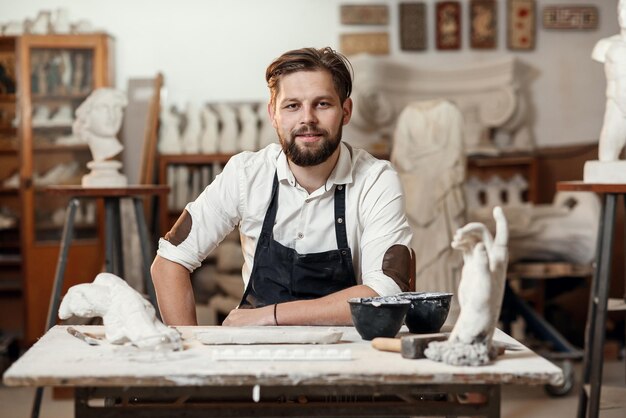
x: 340, y: 216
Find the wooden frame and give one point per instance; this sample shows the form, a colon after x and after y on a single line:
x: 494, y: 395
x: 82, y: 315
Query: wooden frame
x: 375, y: 43
x: 483, y: 24
x: 413, y: 26
x: 448, y: 25
x: 375, y: 14
x: 521, y: 29
x: 570, y: 17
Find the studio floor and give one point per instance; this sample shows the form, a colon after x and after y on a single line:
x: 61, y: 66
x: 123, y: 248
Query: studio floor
x: 517, y: 401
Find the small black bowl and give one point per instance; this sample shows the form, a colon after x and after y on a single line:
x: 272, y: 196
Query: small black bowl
x: 428, y: 311
x: 378, y: 316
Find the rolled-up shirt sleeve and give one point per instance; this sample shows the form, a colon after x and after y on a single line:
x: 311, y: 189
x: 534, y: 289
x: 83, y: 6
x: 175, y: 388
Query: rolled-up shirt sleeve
x: 386, y: 234
x: 206, y: 221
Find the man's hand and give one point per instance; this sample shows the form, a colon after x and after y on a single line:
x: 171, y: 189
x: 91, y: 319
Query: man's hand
x: 258, y: 316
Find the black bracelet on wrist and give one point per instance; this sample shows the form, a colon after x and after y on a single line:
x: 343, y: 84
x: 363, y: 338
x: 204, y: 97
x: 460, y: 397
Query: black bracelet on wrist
x: 275, y: 320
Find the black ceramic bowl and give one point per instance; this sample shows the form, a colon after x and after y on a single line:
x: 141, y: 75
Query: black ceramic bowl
x: 428, y: 311
x: 379, y: 316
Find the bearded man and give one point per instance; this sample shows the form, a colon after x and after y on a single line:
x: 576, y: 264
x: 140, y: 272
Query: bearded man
x: 320, y: 222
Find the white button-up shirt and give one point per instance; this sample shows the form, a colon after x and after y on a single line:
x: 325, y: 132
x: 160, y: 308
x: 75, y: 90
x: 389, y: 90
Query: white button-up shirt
x: 374, y: 218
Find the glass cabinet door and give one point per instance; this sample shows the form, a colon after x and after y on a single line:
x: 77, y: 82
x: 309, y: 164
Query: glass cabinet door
x: 60, y: 79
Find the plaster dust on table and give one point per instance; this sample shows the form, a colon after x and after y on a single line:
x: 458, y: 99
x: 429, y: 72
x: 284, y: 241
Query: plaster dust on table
x: 268, y: 335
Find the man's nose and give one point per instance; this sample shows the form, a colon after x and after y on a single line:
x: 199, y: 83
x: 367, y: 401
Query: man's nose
x: 309, y: 117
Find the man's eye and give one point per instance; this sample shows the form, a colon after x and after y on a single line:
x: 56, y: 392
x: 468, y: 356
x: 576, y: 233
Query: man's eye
x: 324, y: 104
x: 291, y: 106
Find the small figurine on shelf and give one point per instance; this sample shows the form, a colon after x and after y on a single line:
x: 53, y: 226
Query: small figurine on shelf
x: 98, y: 119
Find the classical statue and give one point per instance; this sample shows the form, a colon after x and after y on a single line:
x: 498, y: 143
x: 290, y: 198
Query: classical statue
x: 127, y: 316
x: 480, y: 294
x: 612, y: 52
x: 98, y: 119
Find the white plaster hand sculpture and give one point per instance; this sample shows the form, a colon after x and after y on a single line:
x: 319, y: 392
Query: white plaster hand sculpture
x: 98, y: 119
x: 480, y: 294
x: 612, y: 52
x: 126, y: 315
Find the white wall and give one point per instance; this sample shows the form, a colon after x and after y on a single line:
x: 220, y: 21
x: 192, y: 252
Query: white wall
x: 212, y: 50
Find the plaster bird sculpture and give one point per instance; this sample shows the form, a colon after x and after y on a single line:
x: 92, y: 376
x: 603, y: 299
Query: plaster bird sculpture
x: 126, y: 314
x: 481, y: 290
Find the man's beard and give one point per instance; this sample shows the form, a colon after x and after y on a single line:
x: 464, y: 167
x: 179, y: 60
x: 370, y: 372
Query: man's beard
x: 316, y: 153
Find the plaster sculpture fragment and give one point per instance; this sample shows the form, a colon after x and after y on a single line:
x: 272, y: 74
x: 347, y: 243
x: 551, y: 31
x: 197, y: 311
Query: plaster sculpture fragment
x: 515, y: 188
x: 267, y: 133
x: 98, y: 119
x: 230, y: 129
x: 127, y: 316
x: 485, y: 260
x: 60, y: 21
x: 612, y: 52
x: 169, y: 136
x: 191, y: 134
x: 210, y: 133
x: 248, y: 135
x: 428, y: 155
x: 41, y: 24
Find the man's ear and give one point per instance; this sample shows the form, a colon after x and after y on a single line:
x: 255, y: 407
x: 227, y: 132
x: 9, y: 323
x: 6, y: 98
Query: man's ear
x: 347, y: 110
x: 271, y: 110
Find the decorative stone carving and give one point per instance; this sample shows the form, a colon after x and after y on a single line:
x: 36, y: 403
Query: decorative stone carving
x: 490, y: 96
x: 485, y: 260
x: 428, y: 154
x: 127, y: 316
x: 612, y: 52
x: 98, y: 119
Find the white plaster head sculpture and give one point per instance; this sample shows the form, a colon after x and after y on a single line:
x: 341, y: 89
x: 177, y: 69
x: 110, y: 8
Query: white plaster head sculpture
x: 98, y: 119
x: 127, y: 316
x: 480, y: 294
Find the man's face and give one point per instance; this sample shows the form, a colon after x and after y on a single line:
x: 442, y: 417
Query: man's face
x: 308, y: 116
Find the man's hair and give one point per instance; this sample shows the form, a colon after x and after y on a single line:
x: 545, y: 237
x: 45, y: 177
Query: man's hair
x: 311, y: 59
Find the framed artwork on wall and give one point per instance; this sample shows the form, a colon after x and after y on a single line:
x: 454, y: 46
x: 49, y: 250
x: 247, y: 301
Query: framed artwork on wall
x: 483, y: 24
x: 521, y: 25
x: 375, y: 14
x: 413, y: 26
x: 375, y: 43
x: 448, y: 24
x: 570, y: 17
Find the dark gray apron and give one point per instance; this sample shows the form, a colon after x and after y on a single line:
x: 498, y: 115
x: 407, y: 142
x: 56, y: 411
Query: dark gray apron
x: 280, y: 274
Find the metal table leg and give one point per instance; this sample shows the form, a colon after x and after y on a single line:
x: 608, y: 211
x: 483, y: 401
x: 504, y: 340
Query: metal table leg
x: 57, y: 287
x: 596, y: 318
x: 146, y: 248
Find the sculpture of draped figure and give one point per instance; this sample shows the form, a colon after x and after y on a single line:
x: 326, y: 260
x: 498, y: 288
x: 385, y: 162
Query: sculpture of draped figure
x: 428, y: 155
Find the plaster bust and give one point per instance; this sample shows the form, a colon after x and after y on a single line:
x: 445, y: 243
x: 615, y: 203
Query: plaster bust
x: 98, y: 119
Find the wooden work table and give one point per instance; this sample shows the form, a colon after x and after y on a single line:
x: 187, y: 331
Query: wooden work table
x: 370, y: 383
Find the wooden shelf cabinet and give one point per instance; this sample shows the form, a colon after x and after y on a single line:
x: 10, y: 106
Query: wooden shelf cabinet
x: 47, y: 78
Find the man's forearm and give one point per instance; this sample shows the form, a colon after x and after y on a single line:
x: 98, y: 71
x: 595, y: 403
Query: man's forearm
x: 328, y: 310
x: 174, y: 292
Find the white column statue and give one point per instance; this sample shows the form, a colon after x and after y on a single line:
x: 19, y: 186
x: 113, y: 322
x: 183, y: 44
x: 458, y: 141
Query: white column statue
x: 169, y: 132
x: 98, y: 119
x: 612, y: 52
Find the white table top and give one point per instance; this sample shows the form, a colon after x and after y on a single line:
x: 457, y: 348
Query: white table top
x: 59, y: 359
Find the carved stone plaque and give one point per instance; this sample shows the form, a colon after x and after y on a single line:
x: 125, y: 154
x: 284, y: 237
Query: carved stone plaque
x: 413, y: 26
x: 483, y: 24
x: 448, y: 25
x: 365, y: 14
x: 570, y: 17
x: 521, y: 24
x: 375, y: 43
